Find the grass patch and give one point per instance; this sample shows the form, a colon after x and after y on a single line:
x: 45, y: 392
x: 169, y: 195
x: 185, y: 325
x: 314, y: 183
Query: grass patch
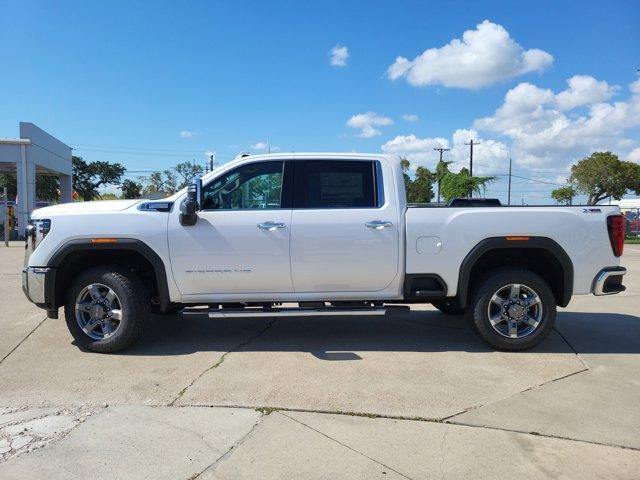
x: 632, y: 240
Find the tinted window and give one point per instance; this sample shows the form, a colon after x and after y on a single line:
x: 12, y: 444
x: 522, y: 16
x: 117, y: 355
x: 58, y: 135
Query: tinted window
x: 335, y: 184
x: 251, y: 186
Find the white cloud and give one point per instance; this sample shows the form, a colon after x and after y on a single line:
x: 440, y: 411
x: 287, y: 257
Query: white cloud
x: 634, y: 155
x: 339, y: 56
x: 584, y: 90
x: 489, y: 155
x: 366, y: 123
x: 547, y: 131
x: 265, y: 146
x: 187, y: 133
x: 410, y: 117
x: 483, y: 57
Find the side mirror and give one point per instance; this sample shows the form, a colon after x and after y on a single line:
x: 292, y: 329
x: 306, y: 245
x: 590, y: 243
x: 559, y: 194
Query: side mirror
x: 191, y: 204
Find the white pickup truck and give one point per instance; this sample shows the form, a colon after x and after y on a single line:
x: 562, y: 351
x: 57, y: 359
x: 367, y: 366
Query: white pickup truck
x: 331, y: 233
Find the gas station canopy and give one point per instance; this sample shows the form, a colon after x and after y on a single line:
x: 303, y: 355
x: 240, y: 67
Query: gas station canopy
x: 35, y: 152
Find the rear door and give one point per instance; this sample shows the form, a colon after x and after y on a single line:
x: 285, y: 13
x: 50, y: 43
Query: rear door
x: 344, y: 233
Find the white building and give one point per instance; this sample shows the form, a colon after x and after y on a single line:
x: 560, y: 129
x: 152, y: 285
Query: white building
x: 626, y: 204
x: 35, y: 152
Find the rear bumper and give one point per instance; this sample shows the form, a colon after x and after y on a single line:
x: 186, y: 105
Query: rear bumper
x: 38, y: 285
x: 609, y: 281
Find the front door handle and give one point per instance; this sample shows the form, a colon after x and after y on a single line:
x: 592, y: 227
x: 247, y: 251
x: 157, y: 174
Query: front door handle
x: 271, y: 226
x: 378, y: 224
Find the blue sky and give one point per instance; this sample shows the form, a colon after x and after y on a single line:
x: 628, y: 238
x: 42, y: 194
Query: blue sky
x: 120, y: 81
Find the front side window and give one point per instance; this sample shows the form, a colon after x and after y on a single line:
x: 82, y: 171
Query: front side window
x: 249, y: 187
x: 336, y: 184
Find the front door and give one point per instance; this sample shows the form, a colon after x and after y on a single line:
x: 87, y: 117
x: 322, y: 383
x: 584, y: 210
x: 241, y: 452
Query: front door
x: 240, y: 243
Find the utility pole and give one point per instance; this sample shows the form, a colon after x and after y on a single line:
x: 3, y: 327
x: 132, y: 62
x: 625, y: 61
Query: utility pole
x: 5, y: 211
x: 509, y: 194
x: 471, y: 144
x: 440, y: 149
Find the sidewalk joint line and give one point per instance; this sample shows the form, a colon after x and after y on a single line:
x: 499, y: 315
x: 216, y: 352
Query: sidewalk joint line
x: 24, y: 339
x: 234, y: 446
x: 476, y: 407
x: 346, y: 446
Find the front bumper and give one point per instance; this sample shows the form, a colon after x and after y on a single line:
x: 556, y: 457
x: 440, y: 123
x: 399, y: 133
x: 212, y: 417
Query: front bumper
x: 36, y: 285
x: 609, y: 281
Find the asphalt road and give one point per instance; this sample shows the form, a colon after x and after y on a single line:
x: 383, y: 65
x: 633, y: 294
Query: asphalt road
x: 403, y: 396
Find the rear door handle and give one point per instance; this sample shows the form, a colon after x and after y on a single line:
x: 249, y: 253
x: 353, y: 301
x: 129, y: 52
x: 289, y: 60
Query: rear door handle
x: 378, y: 224
x: 271, y: 226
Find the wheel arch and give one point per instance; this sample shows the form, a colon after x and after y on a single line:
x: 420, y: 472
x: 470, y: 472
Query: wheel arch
x: 542, y: 255
x: 132, y: 253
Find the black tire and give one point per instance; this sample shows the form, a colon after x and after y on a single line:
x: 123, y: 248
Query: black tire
x: 450, y: 307
x: 134, y: 304
x: 492, y: 283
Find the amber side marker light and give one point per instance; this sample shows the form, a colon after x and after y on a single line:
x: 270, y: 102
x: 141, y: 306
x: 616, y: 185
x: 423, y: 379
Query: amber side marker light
x: 517, y: 239
x: 104, y: 240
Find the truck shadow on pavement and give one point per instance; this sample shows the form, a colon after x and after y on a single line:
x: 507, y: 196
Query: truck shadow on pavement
x: 339, y: 338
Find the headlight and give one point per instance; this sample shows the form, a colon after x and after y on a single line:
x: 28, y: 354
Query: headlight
x: 36, y: 231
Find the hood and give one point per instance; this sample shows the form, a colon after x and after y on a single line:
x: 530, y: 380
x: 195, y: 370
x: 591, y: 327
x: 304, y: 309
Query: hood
x: 99, y: 206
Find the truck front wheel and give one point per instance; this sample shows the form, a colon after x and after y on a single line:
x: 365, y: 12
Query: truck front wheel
x: 105, y: 308
x: 513, y: 309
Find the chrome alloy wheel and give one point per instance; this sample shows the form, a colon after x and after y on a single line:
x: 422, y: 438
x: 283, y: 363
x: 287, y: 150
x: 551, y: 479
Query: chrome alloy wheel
x: 515, y: 311
x: 98, y: 311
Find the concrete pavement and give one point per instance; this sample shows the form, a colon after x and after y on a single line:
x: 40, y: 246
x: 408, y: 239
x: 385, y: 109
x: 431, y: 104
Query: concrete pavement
x: 406, y: 396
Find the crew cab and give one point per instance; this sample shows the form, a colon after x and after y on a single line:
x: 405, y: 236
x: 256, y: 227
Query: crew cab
x: 331, y: 234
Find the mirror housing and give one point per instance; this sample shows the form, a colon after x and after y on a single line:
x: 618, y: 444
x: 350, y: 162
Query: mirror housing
x: 190, y: 205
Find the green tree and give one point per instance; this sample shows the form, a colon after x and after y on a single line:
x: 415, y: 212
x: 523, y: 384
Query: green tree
x: 108, y: 196
x: 46, y: 186
x: 603, y: 174
x: 131, y: 189
x: 164, y: 181
x: 405, y: 165
x: 564, y: 195
x: 462, y: 184
x: 88, y: 177
x: 188, y: 172
x: 420, y: 189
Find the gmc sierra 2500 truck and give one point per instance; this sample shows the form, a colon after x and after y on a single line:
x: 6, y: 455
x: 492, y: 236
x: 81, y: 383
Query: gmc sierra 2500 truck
x: 330, y: 232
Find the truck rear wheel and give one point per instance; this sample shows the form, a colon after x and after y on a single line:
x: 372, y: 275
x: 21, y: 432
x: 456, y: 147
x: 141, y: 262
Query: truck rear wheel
x: 105, y: 308
x: 513, y: 309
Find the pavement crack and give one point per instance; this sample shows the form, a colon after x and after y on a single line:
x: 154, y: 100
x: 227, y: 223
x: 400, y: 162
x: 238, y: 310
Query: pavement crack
x: 346, y: 446
x: 23, y: 340
x: 555, y: 329
x: 221, y: 360
x: 235, y: 445
x: 443, y: 451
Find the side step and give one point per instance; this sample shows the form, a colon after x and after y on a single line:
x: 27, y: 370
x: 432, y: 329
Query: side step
x: 292, y: 311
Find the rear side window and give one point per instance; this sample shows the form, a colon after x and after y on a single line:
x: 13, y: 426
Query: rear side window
x: 335, y: 184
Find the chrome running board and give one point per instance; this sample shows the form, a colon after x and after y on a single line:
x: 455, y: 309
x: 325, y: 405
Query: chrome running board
x: 292, y: 311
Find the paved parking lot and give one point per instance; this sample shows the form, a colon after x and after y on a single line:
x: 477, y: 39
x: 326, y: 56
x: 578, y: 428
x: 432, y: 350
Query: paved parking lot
x: 404, y: 396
